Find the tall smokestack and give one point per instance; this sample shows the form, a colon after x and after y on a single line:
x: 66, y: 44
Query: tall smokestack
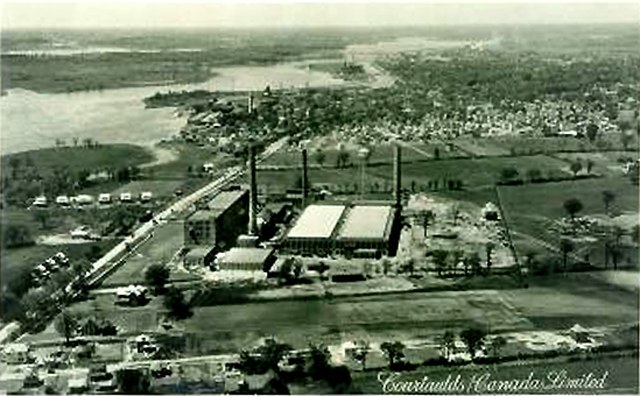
x: 250, y: 104
x: 305, y: 177
x: 253, y: 192
x: 397, y: 176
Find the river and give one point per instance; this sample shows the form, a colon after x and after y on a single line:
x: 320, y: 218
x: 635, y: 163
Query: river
x: 30, y: 120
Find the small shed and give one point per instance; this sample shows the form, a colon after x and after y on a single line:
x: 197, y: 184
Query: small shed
x: 200, y: 256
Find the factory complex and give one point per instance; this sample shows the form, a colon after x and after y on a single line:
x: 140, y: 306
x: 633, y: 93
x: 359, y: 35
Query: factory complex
x: 234, y: 231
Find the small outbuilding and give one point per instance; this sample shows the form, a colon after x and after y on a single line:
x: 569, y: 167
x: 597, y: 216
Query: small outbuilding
x: 248, y: 259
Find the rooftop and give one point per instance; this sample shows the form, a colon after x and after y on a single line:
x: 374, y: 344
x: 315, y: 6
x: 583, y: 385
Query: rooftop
x: 317, y: 221
x: 245, y: 255
x: 367, y: 222
x: 198, y: 252
x: 202, y: 215
x: 224, y: 199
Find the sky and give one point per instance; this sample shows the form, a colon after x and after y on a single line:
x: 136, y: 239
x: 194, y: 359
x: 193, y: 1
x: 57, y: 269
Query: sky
x: 244, y: 14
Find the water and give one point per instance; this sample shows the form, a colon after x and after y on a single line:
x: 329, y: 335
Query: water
x: 30, y: 120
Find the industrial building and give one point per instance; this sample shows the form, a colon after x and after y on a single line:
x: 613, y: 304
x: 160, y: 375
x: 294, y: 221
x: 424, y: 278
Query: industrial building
x: 248, y: 259
x: 364, y: 229
x: 220, y: 222
x: 359, y: 230
x: 199, y: 257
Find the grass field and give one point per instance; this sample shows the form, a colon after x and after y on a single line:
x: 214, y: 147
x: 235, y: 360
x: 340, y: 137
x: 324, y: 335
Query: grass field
x: 473, y: 172
x: 167, y: 240
x: 78, y: 158
x: 589, y: 301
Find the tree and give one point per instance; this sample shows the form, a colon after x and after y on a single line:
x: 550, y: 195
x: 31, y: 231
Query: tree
x: 426, y: 216
x: 534, y: 175
x: 320, y: 357
x: 360, y: 353
x: 625, y: 139
x: 339, y: 379
x: 66, y: 325
x: 394, y: 351
x: 497, y: 344
x: 440, y: 259
x: 42, y: 217
x: 320, y: 156
x: 592, y: 131
x: 410, y: 266
x: 566, y: 246
x: 589, y: 165
x: 474, y: 263
x: 473, y: 337
x: 448, y: 343
x: 157, y: 275
x: 509, y: 175
x: 608, y: 197
x: 457, y: 257
x: 133, y: 381
x: 576, y: 166
x: 489, y: 247
x: 572, y: 206
x: 176, y: 304
x: 264, y: 358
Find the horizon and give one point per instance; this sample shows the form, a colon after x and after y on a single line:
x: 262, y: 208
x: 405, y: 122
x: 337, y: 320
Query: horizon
x: 297, y: 15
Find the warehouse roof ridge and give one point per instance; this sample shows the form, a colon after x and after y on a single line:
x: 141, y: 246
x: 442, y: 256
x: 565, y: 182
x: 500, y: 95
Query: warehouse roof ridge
x: 367, y: 221
x: 317, y: 221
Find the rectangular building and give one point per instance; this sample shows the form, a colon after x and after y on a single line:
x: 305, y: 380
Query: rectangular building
x: 247, y: 259
x: 366, y: 230
x: 314, y: 230
x: 219, y: 224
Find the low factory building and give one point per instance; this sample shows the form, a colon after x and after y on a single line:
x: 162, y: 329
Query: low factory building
x: 200, y: 257
x: 314, y: 230
x: 247, y: 259
x: 358, y: 230
x: 366, y: 231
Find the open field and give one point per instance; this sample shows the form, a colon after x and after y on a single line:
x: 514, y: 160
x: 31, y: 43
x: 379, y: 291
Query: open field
x: 77, y: 158
x: 167, y: 240
x: 589, y: 301
x: 473, y: 172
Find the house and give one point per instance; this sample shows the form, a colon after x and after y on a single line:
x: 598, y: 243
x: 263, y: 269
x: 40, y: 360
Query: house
x: 490, y: 212
x: 63, y: 200
x: 126, y: 197
x: 16, y: 353
x: 132, y: 294
x: 146, y: 196
x: 84, y: 199
x: 104, y: 198
x: 40, y: 201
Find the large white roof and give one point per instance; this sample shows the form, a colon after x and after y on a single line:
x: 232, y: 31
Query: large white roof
x: 367, y: 222
x: 317, y: 221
